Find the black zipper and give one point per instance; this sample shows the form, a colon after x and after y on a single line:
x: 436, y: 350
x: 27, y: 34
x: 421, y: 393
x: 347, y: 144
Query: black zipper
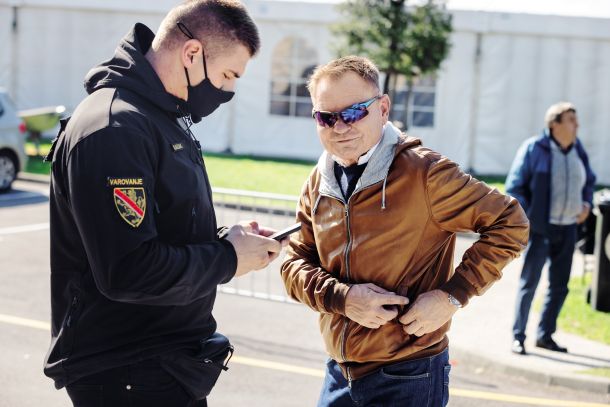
x: 344, y: 333
x: 71, y: 312
x: 194, y: 143
x: 194, y: 221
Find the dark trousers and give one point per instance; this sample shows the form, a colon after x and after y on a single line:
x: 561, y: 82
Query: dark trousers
x: 141, y: 384
x: 415, y: 383
x: 559, y: 247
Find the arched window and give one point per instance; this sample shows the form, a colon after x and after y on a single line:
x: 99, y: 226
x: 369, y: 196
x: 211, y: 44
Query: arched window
x: 292, y: 63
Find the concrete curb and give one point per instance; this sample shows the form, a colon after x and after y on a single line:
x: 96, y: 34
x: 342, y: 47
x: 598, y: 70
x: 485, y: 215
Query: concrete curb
x: 575, y: 381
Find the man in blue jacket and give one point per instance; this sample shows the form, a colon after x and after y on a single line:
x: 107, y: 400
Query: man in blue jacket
x: 553, y: 181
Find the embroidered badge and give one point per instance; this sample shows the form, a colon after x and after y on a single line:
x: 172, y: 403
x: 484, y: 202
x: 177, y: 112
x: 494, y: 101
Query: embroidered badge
x: 131, y: 204
x: 177, y: 147
x: 123, y: 182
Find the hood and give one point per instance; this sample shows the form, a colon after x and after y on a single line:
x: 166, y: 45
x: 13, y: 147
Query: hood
x: 392, y: 143
x: 129, y: 69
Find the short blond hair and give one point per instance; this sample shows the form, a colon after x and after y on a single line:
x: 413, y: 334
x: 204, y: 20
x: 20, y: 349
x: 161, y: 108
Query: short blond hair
x: 554, y: 113
x: 361, y: 66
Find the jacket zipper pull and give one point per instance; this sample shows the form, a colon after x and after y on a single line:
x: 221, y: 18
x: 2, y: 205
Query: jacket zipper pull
x: 72, y: 307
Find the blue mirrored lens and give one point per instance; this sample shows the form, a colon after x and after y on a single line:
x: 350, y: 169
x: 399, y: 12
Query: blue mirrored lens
x: 352, y: 115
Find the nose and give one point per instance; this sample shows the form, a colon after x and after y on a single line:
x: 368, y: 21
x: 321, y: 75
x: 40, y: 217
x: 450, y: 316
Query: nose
x: 340, y: 127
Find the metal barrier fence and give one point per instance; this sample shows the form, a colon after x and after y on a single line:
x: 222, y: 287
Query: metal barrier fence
x: 271, y: 210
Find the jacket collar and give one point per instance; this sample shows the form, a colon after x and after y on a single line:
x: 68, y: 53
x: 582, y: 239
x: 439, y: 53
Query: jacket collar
x: 545, y: 141
x: 375, y: 171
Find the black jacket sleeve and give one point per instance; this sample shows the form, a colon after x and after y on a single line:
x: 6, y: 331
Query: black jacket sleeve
x: 132, y: 263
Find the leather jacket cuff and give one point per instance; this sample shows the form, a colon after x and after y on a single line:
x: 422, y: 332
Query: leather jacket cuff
x: 334, y: 298
x: 459, y: 288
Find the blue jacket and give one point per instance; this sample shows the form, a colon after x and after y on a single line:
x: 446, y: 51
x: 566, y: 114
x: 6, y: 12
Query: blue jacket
x: 529, y: 179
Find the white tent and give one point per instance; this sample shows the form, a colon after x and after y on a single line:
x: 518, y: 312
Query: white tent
x: 510, y: 59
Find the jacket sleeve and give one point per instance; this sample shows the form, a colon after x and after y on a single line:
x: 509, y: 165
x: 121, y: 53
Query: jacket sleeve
x: 305, y: 279
x: 460, y: 203
x: 587, y: 191
x: 519, y: 176
x: 132, y: 263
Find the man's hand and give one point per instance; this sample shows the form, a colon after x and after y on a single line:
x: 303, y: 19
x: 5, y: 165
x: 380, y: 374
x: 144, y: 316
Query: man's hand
x: 429, y: 312
x: 584, y: 214
x: 364, y: 304
x: 252, y: 226
x: 254, y: 249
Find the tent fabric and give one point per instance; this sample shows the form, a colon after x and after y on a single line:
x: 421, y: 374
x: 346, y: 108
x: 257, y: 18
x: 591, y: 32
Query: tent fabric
x: 509, y: 60
x: 6, y: 51
x: 569, y: 8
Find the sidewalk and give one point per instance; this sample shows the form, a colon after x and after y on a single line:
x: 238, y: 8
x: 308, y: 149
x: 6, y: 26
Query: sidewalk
x: 481, y: 335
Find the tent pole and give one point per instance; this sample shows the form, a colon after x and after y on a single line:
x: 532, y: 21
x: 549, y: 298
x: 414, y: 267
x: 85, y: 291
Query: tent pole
x: 474, y: 111
x: 14, y: 56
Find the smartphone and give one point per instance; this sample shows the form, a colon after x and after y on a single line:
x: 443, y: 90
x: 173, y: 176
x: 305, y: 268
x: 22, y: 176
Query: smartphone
x: 286, y: 232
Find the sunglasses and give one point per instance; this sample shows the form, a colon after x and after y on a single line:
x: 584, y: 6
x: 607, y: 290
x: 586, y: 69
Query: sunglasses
x: 350, y: 115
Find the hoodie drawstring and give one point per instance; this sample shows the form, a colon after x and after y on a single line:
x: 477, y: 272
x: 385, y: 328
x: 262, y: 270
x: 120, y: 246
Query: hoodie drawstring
x: 383, y: 193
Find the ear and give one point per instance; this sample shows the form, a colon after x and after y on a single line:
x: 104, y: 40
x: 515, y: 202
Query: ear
x: 189, y: 51
x: 386, y: 105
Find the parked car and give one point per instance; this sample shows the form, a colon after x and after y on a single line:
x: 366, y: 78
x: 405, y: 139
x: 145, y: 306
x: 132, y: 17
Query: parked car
x: 12, y: 142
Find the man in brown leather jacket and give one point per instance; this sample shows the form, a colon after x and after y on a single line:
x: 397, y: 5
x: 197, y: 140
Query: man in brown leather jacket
x: 374, y: 257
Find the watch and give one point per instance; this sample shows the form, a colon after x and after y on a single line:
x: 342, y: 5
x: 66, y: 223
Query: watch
x: 454, y: 301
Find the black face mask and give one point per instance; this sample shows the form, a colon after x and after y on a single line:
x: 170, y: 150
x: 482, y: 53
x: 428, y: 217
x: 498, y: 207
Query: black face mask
x: 204, y: 98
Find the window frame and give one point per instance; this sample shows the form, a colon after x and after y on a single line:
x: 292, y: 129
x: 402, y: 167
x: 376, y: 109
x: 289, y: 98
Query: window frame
x: 294, y: 79
x: 412, y: 108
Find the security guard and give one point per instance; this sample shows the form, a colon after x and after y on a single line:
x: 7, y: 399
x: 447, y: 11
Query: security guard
x: 135, y: 255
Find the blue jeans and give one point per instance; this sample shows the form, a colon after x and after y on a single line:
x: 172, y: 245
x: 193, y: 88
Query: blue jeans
x: 415, y: 383
x: 559, y: 247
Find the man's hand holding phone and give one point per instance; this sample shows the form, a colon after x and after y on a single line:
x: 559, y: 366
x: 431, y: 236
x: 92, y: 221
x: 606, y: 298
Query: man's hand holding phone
x: 254, y: 245
x: 284, y: 233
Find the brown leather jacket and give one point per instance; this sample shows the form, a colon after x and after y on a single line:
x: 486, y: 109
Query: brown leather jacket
x: 398, y: 231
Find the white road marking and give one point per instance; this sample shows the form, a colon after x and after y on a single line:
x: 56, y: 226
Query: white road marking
x: 24, y: 228
x: 319, y: 373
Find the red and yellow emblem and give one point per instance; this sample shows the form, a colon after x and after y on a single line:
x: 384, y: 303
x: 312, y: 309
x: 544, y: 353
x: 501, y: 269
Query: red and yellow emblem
x: 131, y: 204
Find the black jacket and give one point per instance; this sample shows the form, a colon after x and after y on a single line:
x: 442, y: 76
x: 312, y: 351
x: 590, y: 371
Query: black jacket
x: 135, y: 260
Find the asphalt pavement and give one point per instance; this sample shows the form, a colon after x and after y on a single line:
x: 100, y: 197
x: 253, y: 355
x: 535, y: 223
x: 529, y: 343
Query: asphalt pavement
x: 280, y: 358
